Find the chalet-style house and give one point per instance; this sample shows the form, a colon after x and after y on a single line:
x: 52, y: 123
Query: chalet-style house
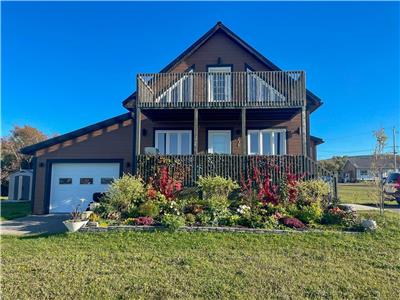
x: 220, y: 99
x: 365, y: 167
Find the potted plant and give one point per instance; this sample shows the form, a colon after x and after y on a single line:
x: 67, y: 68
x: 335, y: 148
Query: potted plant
x: 77, y: 221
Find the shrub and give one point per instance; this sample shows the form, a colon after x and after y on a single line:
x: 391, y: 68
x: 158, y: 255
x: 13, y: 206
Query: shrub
x: 230, y: 220
x: 337, y: 216
x: 148, y: 209
x: 190, y: 219
x: 144, y: 221
x: 94, y: 217
x: 123, y: 195
x: 252, y: 220
x: 166, y: 184
x: 292, y: 223
x: 216, y: 185
x: 307, y: 213
x: 172, y: 222
x: 130, y: 221
x: 312, y: 191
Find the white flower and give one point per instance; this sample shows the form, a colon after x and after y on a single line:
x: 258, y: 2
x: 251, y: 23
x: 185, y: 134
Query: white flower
x: 243, y: 209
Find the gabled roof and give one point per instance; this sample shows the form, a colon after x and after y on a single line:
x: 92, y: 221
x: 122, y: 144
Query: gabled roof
x: 30, y: 150
x: 202, y: 40
x: 365, y: 161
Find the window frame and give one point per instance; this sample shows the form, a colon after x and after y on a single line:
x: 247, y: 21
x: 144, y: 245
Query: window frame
x: 212, y: 131
x: 228, y: 78
x: 272, y: 142
x: 167, y: 141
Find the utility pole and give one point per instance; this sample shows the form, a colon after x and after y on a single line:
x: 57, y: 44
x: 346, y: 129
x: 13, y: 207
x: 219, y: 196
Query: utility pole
x: 394, y: 148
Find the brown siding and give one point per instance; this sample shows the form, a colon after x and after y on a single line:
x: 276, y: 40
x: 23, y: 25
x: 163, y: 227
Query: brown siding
x: 113, y: 142
x: 220, y: 46
x: 293, y: 142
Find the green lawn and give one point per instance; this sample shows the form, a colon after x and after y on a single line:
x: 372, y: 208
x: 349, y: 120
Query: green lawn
x: 358, y: 193
x: 204, y: 265
x: 14, y: 210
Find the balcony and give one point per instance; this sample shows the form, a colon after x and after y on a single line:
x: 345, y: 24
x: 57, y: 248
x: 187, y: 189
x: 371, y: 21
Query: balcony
x: 266, y: 89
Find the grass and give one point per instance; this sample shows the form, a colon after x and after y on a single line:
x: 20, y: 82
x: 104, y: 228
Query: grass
x: 357, y: 193
x: 14, y: 210
x: 204, y: 265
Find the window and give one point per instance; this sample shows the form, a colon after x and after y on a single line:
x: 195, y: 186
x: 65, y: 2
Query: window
x: 267, y: 142
x: 65, y: 181
x: 106, y: 180
x: 364, y: 172
x: 219, y: 141
x: 86, y: 181
x: 173, y: 142
x: 219, y: 83
x: 180, y: 91
x: 259, y: 90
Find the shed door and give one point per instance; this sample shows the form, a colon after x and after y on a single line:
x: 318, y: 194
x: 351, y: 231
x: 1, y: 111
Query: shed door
x: 71, y: 182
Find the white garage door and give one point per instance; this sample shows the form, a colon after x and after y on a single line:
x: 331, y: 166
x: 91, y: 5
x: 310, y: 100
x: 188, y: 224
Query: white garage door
x: 71, y: 182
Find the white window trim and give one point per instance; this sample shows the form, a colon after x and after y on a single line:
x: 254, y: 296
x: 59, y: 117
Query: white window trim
x: 260, y: 140
x: 275, y: 95
x: 179, y: 82
x: 167, y: 144
x: 210, y: 132
x: 228, y: 87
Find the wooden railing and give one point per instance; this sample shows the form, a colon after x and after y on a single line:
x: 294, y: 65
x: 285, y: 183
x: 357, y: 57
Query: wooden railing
x: 221, y: 90
x: 189, y: 167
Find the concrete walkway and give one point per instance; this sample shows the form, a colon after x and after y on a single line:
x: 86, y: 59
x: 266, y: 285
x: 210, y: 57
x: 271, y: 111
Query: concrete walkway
x: 359, y: 207
x: 35, y: 224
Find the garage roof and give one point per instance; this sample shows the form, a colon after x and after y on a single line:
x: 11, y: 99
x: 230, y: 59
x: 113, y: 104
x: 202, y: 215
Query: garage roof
x: 30, y: 150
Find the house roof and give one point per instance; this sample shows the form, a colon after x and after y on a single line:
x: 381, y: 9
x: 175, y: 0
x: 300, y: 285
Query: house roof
x: 73, y: 134
x: 366, y: 161
x: 316, y: 101
x: 317, y: 140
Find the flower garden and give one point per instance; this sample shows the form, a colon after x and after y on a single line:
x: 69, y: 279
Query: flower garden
x: 254, y: 202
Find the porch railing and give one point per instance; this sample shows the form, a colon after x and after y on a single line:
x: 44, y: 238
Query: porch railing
x: 221, y: 90
x: 189, y: 167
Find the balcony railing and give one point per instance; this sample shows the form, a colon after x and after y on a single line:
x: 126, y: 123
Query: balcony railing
x: 221, y: 89
x: 188, y: 168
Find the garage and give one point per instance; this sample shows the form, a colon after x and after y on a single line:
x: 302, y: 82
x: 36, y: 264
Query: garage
x: 72, y: 181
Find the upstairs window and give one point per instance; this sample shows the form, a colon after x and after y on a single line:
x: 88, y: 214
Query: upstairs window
x: 266, y: 142
x: 173, y: 142
x: 219, y: 84
x: 259, y: 90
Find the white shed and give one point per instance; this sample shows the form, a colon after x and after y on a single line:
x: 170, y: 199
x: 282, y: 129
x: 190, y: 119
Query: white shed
x: 20, y: 185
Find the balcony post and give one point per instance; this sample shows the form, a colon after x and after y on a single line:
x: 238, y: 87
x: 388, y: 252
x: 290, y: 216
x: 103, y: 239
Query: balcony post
x: 304, y: 130
x: 138, y: 121
x: 196, y: 131
x: 243, y: 139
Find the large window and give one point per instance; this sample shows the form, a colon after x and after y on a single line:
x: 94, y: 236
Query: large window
x: 259, y: 90
x: 220, y: 83
x: 180, y: 91
x: 219, y: 141
x: 173, y: 142
x: 266, y: 142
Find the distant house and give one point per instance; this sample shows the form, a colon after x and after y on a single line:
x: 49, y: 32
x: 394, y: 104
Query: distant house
x: 360, y: 168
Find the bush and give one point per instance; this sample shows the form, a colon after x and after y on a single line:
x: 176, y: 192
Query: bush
x: 94, y: 217
x: 307, y: 213
x: 144, y: 221
x: 337, y: 216
x: 123, y: 195
x: 148, y: 209
x: 172, y: 222
x: 312, y: 191
x: 252, y: 220
x: 216, y: 185
x: 190, y: 219
x: 130, y: 221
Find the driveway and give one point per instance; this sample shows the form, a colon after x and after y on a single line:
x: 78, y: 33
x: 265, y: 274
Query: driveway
x: 359, y: 207
x: 35, y: 224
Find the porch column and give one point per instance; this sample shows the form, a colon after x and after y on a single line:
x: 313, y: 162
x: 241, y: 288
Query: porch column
x: 196, y: 131
x: 243, y: 140
x: 304, y: 130
x: 138, y: 125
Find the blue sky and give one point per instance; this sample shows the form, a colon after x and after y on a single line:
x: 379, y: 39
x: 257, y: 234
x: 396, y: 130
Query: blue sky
x: 68, y: 65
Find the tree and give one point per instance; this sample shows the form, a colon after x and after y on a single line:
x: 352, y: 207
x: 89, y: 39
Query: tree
x: 334, y: 164
x: 11, y: 158
x: 377, y: 168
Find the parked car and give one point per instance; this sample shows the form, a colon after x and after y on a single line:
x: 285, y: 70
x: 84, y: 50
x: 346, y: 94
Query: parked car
x: 391, y: 186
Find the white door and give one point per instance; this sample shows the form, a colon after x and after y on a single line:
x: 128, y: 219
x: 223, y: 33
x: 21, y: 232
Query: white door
x: 219, y: 84
x: 71, y: 182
